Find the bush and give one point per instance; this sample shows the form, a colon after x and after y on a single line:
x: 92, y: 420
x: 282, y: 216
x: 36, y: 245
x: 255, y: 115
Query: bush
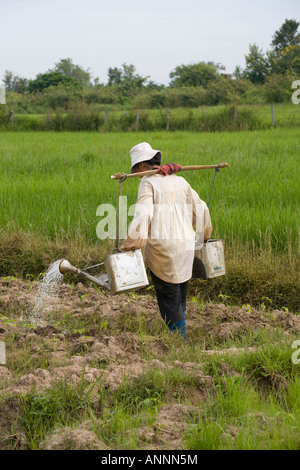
x: 277, y: 88
x: 3, y: 115
x: 225, y: 119
x: 75, y: 121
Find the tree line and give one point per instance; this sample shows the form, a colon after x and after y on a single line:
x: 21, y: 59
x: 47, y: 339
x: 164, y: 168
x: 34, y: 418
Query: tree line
x: 267, y: 77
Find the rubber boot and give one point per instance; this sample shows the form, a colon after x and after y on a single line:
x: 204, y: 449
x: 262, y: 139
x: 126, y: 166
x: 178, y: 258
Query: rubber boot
x: 179, y: 326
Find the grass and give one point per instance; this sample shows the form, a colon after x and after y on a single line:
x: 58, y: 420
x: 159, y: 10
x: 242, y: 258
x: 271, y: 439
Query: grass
x: 236, y: 415
x: 59, y: 406
x: 242, y: 415
x: 239, y: 418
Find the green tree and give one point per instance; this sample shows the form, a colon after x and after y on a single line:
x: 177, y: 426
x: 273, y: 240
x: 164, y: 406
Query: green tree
x: 200, y: 74
x: 286, y: 36
x: 14, y: 82
x: 70, y: 70
x: 114, y: 76
x: 238, y: 72
x: 257, y: 65
x: 126, y: 79
x: 277, y: 88
x: 285, y: 53
x: 285, y: 61
x: 45, y: 80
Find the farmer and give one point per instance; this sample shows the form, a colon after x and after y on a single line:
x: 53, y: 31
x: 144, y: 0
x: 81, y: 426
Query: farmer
x: 166, y: 213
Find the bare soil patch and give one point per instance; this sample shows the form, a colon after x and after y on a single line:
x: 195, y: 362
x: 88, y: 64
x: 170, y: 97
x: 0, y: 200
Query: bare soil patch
x: 82, y: 336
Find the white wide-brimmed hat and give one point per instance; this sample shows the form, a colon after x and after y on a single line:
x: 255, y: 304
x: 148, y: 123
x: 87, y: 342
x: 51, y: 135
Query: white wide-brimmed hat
x: 142, y: 153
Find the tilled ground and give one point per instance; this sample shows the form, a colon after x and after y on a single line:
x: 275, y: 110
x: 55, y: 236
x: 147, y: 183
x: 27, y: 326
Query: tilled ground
x: 85, y: 329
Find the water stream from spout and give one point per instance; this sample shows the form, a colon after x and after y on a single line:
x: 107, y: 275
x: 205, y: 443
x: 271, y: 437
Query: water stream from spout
x: 49, y: 287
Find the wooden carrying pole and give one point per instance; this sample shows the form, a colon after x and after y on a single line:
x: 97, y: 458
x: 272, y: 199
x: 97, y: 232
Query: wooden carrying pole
x: 118, y: 176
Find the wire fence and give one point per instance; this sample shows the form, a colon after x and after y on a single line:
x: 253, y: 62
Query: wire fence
x: 211, y: 119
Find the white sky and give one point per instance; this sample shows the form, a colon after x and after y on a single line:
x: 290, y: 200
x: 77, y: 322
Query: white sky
x: 155, y: 36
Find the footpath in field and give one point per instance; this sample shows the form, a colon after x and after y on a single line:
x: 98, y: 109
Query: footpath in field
x: 112, y: 339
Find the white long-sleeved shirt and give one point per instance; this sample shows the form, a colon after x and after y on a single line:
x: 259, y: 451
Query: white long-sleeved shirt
x: 166, y: 213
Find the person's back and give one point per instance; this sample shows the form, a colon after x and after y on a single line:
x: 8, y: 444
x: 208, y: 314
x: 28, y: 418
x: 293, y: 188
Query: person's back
x: 166, y: 213
x: 172, y: 206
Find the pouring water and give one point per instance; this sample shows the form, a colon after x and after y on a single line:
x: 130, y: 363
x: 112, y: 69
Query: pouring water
x: 48, y: 288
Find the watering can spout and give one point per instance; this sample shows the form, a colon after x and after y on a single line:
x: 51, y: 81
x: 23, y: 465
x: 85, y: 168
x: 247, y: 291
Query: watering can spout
x: 66, y: 267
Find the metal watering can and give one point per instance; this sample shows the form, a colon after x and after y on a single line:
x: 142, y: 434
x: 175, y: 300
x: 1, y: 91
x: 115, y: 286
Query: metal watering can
x: 125, y: 271
x: 209, y: 259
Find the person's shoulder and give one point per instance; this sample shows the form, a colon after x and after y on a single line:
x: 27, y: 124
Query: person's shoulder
x: 146, y: 180
x: 145, y: 185
x: 180, y: 180
x: 152, y: 177
x: 151, y: 180
x: 169, y: 181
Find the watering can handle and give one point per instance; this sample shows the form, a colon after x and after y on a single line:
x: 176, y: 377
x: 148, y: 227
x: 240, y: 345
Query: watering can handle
x: 121, y: 180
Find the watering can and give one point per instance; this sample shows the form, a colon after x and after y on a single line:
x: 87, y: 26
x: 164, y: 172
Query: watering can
x: 125, y: 271
x: 209, y: 259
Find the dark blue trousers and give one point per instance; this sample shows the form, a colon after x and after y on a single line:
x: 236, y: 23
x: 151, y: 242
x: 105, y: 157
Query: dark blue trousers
x: 171, y: 299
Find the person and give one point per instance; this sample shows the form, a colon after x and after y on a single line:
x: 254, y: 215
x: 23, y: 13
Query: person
x: 167, y: 214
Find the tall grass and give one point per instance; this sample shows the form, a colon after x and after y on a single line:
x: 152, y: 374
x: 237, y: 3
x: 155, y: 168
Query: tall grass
x: 256, y: 409
x: 239, y: 418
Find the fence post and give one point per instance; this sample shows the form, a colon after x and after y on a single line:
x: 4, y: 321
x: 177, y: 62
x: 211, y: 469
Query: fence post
x: 106, y: 116
x: 48, y: 121
x: 235, y: 113
x: 202, y: 111
x: 272, y: 114
x: 75, y: 119
x: 168, y: 120
x: 137, y: 118
x: 11, y: 115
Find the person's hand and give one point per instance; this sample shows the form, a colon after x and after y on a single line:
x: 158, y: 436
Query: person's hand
x: 168, y: 168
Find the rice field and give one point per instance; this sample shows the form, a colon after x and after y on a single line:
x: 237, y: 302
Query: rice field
x: 52, y: 184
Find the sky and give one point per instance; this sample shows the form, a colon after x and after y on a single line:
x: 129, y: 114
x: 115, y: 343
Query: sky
x: 154, y: 36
